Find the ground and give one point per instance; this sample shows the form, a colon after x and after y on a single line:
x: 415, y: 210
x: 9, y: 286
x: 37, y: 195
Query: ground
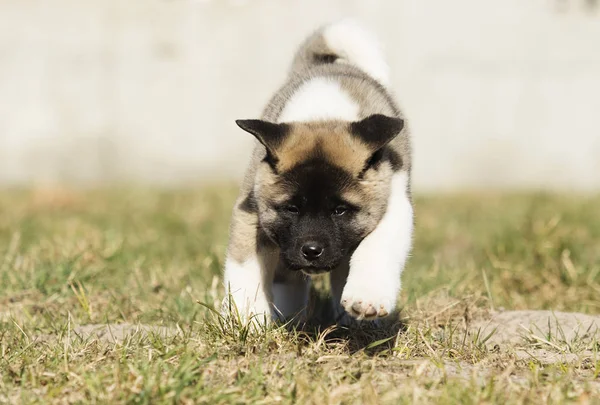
x: 106, y: 297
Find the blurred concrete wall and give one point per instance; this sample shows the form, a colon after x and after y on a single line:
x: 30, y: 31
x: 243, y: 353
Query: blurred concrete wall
x: 499, y: 93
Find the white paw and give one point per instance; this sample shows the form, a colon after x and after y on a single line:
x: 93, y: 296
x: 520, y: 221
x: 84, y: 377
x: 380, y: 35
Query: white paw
x: 245, y: 312
x: 246, y: 298
x: 361, y: 309
x: 362, y: 302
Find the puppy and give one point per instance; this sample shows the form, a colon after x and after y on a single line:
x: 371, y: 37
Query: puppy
x: 328, y: 186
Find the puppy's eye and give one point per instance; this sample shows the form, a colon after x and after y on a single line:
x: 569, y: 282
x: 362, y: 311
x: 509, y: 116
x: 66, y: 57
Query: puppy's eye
x: 340, y: 210
x: 292, y: 209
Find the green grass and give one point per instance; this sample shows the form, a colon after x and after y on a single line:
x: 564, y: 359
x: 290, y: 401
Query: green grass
x: 121, y: 256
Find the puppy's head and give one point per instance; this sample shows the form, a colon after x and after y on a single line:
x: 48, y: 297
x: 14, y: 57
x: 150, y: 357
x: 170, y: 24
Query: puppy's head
x: 322, y: 186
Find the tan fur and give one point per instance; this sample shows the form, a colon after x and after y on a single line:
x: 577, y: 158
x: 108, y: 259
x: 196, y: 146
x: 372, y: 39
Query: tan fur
x: 242, y: 235
x: 330, y: 140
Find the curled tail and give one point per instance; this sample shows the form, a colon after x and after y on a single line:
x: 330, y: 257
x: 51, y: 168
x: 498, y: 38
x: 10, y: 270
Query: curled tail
x: 348, y: 42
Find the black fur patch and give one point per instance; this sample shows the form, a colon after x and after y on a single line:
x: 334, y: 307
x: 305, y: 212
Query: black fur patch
x: 383, y: 155
x: 318, y: 182
x: 271, y: 160
x: 249, y: 204
x: 395, y: 159
x: 324, y: 58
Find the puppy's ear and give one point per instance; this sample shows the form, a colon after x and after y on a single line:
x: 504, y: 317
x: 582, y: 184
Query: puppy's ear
x: 377, y: 130
x: 269, y: 134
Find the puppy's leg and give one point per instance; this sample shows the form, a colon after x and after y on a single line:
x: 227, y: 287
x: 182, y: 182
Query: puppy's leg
x: 373, y: 282
x: 248, y: 284
x: 290, y: 294
x: 249, y: 270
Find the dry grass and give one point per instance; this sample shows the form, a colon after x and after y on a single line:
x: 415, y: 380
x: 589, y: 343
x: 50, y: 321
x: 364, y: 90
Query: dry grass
x: 123, y: 257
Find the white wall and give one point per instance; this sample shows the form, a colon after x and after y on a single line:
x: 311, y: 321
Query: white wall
x: 499, y: 93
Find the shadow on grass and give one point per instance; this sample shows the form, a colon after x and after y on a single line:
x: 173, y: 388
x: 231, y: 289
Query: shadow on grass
x: 372, y: 337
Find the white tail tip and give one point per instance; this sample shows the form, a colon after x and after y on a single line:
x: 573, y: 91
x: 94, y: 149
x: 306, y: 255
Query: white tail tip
x: 359, y: 47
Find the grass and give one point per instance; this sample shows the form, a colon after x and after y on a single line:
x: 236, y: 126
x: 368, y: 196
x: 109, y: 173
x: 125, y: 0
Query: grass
x: 135, y: 257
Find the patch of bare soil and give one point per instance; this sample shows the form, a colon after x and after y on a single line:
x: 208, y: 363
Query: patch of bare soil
x: 546, y: 336
x: 516, y: 338
x: 511, y: 327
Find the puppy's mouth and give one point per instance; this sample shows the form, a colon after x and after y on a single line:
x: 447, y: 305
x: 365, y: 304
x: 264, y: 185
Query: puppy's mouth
x: 309, y: 268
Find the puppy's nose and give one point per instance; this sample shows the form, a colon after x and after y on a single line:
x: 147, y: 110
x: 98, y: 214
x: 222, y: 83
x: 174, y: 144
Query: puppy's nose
x: 312, y: 250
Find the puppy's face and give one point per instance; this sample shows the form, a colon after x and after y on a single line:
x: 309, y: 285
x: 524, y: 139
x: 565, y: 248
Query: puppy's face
x: 322, y: 187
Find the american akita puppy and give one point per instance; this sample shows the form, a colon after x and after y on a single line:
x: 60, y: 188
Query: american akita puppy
x: 328, y: 187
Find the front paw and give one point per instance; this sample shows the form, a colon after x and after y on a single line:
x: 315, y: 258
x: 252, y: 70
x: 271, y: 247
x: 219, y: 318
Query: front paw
x: 364, y: 302
x: 365, y: 309
x: 243, y: 312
